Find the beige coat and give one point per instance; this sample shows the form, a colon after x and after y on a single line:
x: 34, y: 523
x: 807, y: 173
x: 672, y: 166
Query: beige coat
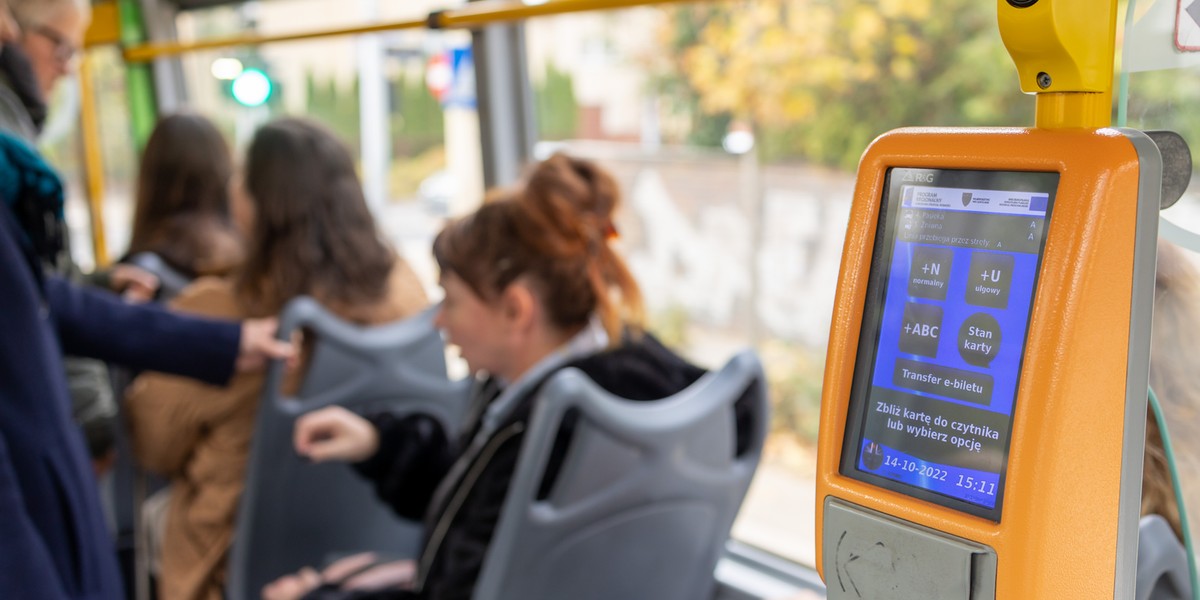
x: 199, y: 436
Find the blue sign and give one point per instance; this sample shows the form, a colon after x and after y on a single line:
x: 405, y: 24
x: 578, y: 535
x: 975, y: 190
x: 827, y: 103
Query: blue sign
x: 462, y: 82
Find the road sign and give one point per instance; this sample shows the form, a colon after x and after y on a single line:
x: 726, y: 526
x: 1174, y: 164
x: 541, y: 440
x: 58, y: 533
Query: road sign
x: 439, y: 75
x: 1187, y: 25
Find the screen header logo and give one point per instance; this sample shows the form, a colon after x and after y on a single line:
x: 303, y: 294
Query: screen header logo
x: 914, y: 176
x: 984, y: 201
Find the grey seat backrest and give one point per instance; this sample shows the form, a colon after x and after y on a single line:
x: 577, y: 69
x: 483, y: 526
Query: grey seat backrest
x: 645, y: 497
x: 1162, y: 563
x: 128, y: 485
x: 295, y: 514
x: 125, y: 501
x: 170, y: 280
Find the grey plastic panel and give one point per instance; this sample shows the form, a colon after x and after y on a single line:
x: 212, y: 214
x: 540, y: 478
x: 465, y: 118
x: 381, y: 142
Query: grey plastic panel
x: 872, y: 555
x: 129, y: 485
x: 1162, y: 568
x: 170, y: 281
x: 295, y: 514
x: 1137, y: 377
x: 1177, y: 165
x: 653, y: 528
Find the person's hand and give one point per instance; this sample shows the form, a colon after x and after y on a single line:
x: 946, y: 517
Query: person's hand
x: 133, y: 283
x: 351, y: 573
x: 334, y: 433
x: 258, y: 345
x: 292, y: 587
x: 340, y: 569
x: 359, y: 572
x: 395, y: 575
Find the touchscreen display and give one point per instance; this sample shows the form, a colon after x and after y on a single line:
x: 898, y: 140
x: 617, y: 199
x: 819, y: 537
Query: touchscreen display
x: 956, y: 264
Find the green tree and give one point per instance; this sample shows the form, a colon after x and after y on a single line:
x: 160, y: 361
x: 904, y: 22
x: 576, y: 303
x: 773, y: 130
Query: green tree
x: 670, y: 81
x: 417, y: 122
x: 821, y: 78
x: 335, y: 107
x: 556, y: 107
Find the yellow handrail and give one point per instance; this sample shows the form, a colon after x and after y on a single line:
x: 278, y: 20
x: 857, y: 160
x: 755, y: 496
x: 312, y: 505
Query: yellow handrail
x: 93, y: 165
x: 151, y: 51
x: 475, y: 14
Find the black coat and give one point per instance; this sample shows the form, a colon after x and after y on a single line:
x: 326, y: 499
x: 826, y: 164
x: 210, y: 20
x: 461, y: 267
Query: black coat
x: 53, y: 540
x: 415, y: 455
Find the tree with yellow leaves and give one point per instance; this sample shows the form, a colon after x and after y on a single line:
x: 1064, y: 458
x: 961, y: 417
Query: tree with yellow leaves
x: 821, y: 78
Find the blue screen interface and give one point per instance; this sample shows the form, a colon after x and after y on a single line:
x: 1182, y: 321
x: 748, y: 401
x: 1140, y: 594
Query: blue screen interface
x: 960, y: 260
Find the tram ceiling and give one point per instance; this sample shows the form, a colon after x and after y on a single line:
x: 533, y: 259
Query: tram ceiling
x: 471, y: 16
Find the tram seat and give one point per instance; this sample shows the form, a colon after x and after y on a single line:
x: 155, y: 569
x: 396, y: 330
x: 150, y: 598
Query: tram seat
x: 645, y: 497
x: 128, y: 486
x: 294, y: 513
x: 170, y: 281
x: 1162, y: 563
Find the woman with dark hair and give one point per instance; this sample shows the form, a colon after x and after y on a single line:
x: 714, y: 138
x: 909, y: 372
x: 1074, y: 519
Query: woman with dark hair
x: 308, y: 232
x: 532, y: 286
x: 182, y: 216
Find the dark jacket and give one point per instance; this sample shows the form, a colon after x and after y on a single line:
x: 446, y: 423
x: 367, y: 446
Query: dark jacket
x: 415, y: 455
x: 53, y: 541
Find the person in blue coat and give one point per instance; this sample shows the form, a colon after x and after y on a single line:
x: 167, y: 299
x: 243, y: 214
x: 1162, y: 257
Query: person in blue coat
x: 53, y: 539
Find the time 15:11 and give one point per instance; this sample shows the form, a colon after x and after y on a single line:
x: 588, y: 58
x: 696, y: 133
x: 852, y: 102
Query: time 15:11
x: 978, y: 485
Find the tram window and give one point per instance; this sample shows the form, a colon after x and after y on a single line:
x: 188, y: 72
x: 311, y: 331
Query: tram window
x: 733, y: 128
x: 418, y: 154
x: 736, y: 241
x: 1162, y: 92
x: 60, y: 142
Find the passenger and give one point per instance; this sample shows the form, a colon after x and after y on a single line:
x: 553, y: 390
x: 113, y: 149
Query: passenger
x: 45, y: 49
x: 48, y: 48
x: 182, y: 216
x: 182, y: 229
x: 1173, y: 379
x: 531, y: 286
x: 53, y: 539
x: 308, y: 232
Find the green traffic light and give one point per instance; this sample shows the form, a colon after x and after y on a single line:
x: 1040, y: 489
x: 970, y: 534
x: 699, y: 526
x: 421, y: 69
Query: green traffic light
x: 251, y: 88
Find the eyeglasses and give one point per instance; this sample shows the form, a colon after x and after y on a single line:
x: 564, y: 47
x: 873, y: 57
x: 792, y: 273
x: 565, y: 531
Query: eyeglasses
x: 65, y: 52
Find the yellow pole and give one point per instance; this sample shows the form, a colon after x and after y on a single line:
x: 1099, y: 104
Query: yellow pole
x: 1073, y: 110
x: 93, y: 162
x: 105, y: 26
x: 151, y: 51
x: 473, y: 15
x: 1064, y: 51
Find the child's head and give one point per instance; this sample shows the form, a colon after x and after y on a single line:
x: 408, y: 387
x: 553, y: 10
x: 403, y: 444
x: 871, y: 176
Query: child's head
x: 533, y: 265
x: 309, y: 231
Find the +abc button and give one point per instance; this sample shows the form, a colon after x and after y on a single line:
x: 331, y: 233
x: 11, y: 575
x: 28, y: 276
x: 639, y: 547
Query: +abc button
x: 922, y: 329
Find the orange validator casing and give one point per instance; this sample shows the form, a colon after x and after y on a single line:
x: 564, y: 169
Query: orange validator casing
x: 1066, y: 522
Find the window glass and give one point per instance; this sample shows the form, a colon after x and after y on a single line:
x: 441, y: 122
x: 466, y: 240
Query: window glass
x: 734, y: 129
x: 1160, y: 88
x: 61, y: 143
x: 391, y: 97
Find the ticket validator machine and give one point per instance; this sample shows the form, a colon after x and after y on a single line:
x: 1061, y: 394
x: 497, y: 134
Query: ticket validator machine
x: 984, y: 403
